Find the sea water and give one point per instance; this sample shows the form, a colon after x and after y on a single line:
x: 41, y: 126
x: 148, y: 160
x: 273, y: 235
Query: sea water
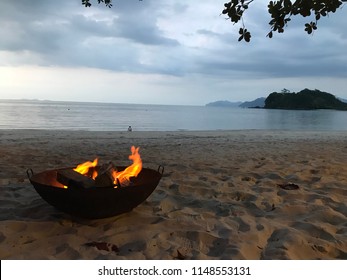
x: 26, y: 114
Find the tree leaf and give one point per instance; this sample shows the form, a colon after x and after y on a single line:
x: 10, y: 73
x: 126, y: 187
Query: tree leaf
x: 247, y: 37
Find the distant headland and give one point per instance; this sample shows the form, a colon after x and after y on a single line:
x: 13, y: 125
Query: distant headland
x: 259, y: 102
x: 305, y: 99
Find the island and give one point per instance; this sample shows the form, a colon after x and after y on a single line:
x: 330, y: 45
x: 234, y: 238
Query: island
x: 256, y: 103
x: 304, y: 100
x: 259, y: 102
x: 223, y: 103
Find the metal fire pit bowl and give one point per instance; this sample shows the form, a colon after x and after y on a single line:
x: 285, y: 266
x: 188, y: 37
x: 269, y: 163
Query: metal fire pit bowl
x: 98, y: 202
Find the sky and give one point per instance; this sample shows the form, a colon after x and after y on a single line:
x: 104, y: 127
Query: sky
x: 175, y: 52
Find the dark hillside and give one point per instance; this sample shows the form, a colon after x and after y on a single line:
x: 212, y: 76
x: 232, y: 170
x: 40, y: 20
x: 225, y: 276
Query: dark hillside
x: 304, y: 100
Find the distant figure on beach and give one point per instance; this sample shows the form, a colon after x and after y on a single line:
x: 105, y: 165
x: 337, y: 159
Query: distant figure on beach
x: 130, y: 128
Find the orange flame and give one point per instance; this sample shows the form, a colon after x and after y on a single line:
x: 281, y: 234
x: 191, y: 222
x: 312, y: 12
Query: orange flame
x: 88, y: 168
x: 84, y: 168
x: 132, y: 170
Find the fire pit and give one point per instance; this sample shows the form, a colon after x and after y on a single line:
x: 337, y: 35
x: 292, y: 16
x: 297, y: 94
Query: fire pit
x: 94, y: 202
x: 88, y: 197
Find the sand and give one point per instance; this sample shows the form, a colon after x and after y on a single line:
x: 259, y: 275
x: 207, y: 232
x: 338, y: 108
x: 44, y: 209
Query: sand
x: 220, y: 196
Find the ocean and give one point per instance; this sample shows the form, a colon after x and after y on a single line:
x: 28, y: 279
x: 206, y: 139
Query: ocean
x: 26, y: 114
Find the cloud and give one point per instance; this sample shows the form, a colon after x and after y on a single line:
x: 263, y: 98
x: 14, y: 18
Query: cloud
x: 99, y: 38
x: 189, y: 40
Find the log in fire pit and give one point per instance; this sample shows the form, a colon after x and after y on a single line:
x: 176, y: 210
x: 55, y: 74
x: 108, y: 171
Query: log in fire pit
x: 98, y: 191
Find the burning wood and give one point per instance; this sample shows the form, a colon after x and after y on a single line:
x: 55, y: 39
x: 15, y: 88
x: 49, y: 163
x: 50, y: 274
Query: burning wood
x: 105, y: 178
x: 71, y: 178
x: 88, y: 168
x: 88, y: 174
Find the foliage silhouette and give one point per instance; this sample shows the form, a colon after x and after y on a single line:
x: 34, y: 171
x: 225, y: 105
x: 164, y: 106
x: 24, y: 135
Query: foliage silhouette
x: 280, y: 11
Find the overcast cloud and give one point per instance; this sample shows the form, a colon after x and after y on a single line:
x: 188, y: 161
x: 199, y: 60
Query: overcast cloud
x: 161, y: 52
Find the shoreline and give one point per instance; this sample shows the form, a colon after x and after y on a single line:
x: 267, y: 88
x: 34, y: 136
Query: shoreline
x: 219, y: 198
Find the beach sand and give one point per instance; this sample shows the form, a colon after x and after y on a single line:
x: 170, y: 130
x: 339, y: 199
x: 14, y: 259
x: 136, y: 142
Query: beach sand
x: 220, y: 196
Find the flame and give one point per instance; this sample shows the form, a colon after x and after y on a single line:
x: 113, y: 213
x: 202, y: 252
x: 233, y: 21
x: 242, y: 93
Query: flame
x: 122, y: 177
x: 86, y: 167
x: 132, y: 170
